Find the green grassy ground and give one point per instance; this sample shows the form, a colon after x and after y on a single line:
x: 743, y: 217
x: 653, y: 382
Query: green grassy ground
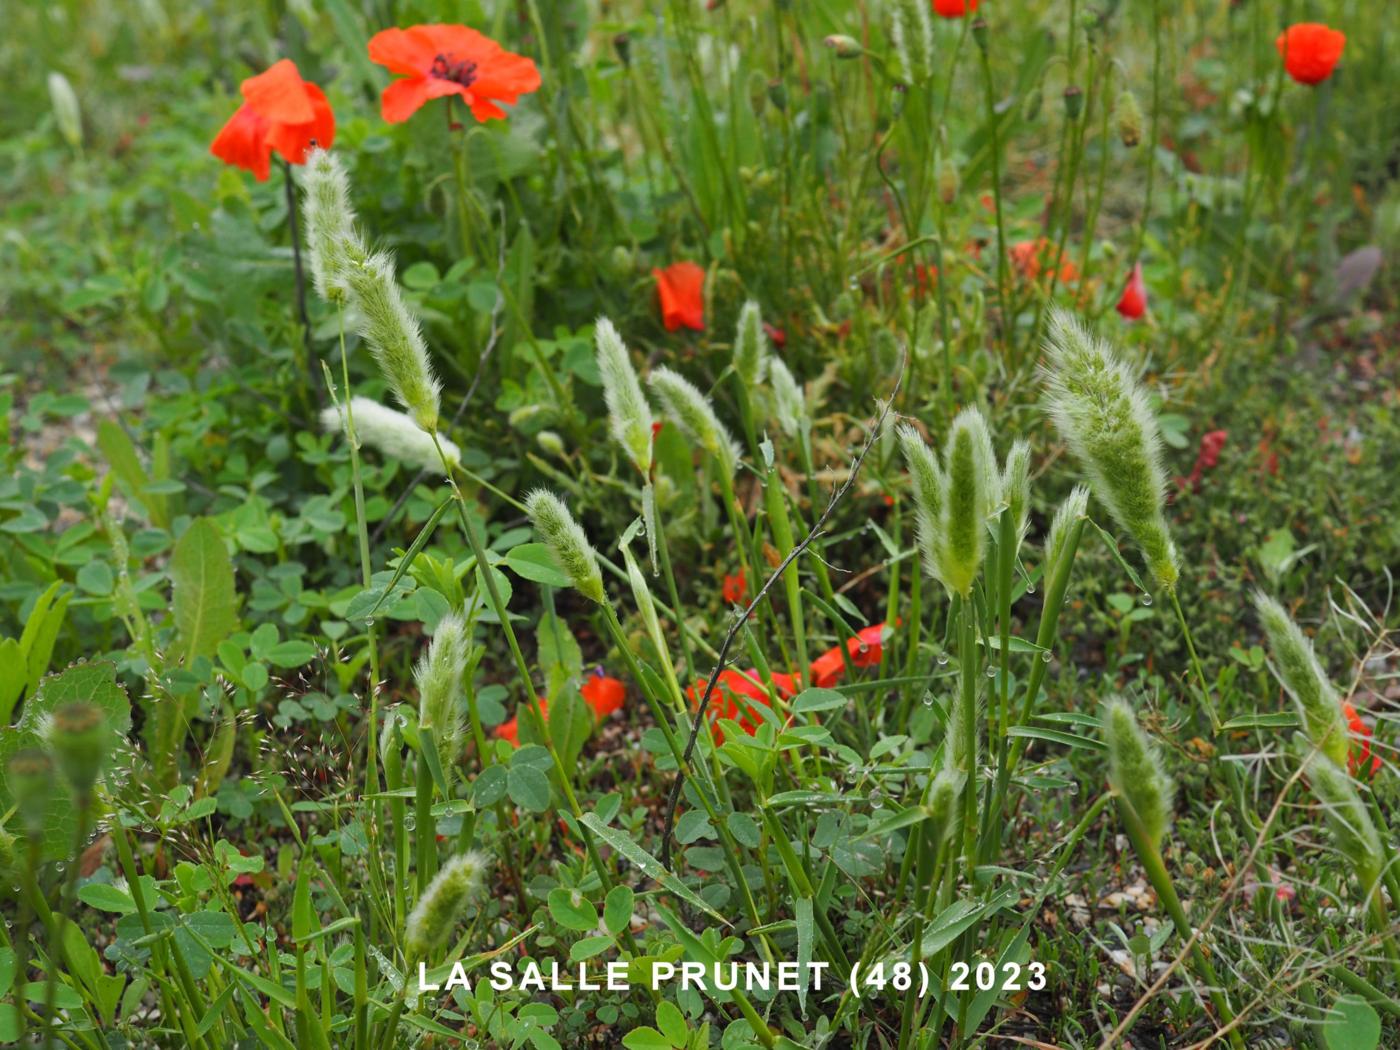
x: 185, y: 545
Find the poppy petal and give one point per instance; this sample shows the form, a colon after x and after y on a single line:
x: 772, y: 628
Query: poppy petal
x: 243, y: 143
x: 681, y: 289
x: 279, y: 94
x: 408, y: 51
x: 403, y: 98
x: 293, y: 141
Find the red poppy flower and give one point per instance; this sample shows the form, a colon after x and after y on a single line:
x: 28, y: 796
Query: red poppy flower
x: 443, y: 60
x: 776, y: 334
x: 1310, y: 51
x: 1360, y: 762
x: 865, y: 650
x: 280, y: 112
x: 954, y: 8
x: 1035, y: 257
x: 1133, y: 303
x: 735, y: 587
x: 605, y: 695
x: 681, y: 289
x: 739, y: 696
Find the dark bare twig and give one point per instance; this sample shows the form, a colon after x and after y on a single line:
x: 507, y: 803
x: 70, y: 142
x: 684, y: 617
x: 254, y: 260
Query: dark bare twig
x: 492, y: 339
x: 812, y: 535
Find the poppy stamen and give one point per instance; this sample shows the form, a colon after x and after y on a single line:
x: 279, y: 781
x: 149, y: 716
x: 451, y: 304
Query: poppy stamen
x: 445, y: 68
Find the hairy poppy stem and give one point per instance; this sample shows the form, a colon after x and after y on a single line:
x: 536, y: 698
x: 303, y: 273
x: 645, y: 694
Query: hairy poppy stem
x: 315, y: 379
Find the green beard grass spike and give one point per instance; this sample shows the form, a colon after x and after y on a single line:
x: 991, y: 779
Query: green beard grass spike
x: 911, y: 34
x: 1016, y: 486
x: 438, y: 676
x: 629, y: 415
x: 789, y: 403
x: 1075, y: 506
x: 394, y: 338
x: 1307, y: 683
x: 970, y: 494
x: 568, y: 543
x: 1347, y: 818
x: 750, y: 345
x: 1135, y: 770
x: 442, y: 904
x: 692, y: 412
x: 1103, y: 415
x: 332, y: 245
x: 929, y: 484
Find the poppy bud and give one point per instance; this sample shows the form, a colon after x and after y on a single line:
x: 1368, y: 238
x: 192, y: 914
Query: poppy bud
x: 979, y: 33
x: 443, y: 903
x: 78, y: 734
x: 1129, y: 118
x: 948, y: 180
x: 621, y: 261
x: 29, y: 776
x: 550, y: 442
x: 567, y: 542
x: 1074, y: 102
x: 844, y: 46
x: 622, y: 44
x: 777, y: 94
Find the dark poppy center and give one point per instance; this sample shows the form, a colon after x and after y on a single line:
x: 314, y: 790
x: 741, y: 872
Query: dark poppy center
x: 445, y: 67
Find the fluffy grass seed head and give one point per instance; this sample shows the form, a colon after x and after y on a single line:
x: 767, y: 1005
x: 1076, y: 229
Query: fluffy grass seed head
x: 1103, y: 415
x: 1075, y: 506
x: 443, y: 903
x: 942, y: 802
x: 438, y: 676
x: 929, y: 484
x: 750, y: 345
x: 1347, y: 818
x: 391, y: 432
x: 1297, y: 666
x: 1016, y: 486
x: 971, y: 493
x: 629, y: 415
x: 1127, y: 114
x: 1135, y: 770
x: 568, y: 543
x: 692, y: 412
x: 394, y: 337
x: 789, y: 403
x: 911, y: 34
x: 332, y: 243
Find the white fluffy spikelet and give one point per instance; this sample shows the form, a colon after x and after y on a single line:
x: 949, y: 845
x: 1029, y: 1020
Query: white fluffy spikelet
x: 1347, y: 819
x: 391, y: 432
x: 1103, y: 415
x: 568, y: 543
x: 443, y: 903
x: 750, y: 345
x: 438, y: 676
x: 332, y: 244
x: 972, y: 490
x: 1297, y: 667
x: 911, y: 33
x: 692, y: 412
x: 789, y: 403
x: 929, y: 484
x: 394, y: 337
x: 629, y: 415
x: 1075, y: 506
x: 1016, y: 486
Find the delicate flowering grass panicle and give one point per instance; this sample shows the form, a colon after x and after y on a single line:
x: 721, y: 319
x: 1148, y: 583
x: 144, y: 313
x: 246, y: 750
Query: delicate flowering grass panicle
x: 929, y: 484
x: 1104, y: 418
x: 332, y: 243
x: 1135, y: 770
x: 444, y: 901
x: 1347, y: 818
x: 692, y: 412
x: 1075, y: 506
x: 438, y: 676
x: 629, y: 415
x: 1016, y: 486
x: 568, y: 543
x: 1297, y: 667
x: 911, y: 33
x: 750, y: 345
x: 971, y: 493
x: 391, y: 432
x: 789, y: 403
x: 394, y: 338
